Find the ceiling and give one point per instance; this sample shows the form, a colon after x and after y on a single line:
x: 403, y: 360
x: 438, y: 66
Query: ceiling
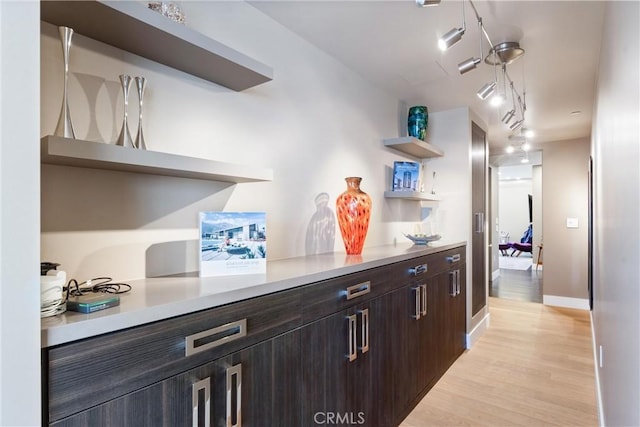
x: 394, y: 45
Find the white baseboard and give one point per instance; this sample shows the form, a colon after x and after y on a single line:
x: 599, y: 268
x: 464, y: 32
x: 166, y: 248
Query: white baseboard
x: 596, y: 364
x: 478, y: 331
x: 495, y: 274
x: 567, y: 302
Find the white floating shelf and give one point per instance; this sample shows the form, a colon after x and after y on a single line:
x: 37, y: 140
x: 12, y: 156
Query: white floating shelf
x: 86, y: 154
x: 131, y: 26
x: 414, y: 147
x: 411, y: 195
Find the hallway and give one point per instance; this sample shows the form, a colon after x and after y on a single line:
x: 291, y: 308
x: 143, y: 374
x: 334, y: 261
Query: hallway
x: 519, y: 285
x: 533, y: 367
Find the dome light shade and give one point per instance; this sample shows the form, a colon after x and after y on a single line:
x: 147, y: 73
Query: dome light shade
x: 450, y: 38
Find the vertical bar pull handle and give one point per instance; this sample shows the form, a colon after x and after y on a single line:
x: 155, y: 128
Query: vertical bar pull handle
x: 452, y: 283
x: 204, y: 386
x: 234, y: 396
x: 479, y: 219
x: 352, y: 344
x: 423, y: 310
x: 365, y: 330
x: 457, y: 282
x: 418, y: 302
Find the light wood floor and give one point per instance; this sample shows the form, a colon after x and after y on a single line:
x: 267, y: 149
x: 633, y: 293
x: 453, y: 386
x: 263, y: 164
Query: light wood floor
x: 532, y: 367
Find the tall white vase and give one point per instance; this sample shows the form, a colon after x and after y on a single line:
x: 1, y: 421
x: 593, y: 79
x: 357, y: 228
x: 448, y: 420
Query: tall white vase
x: 124, y: 139
x: 140, y: 85
x: 64, y: 127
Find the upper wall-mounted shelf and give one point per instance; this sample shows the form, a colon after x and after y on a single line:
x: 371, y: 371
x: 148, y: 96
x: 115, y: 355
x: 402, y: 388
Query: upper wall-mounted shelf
x: 72, y: 152
x: 133, y: 27
x: 414, y: 147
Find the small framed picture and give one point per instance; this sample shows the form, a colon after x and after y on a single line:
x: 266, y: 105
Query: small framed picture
x: 233, y: 243
x: 406, y: 176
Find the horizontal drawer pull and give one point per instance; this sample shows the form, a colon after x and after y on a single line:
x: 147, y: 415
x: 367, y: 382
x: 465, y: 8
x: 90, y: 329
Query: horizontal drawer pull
x: 214, y: 337
x: 418, y: 269
x: 453, y: 258
x: 358, y: 290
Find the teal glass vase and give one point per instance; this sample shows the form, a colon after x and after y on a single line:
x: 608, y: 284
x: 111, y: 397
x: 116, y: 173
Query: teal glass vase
x: 418, y: 120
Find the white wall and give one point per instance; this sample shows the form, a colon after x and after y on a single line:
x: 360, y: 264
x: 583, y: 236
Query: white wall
x: 314, y: 124
x: 616, y: 153
x: 565, y: 195
x: 19, y: 215
x: 514, y: 207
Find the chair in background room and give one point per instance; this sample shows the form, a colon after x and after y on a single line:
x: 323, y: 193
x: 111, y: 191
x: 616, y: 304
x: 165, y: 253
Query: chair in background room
x: 525, y: 242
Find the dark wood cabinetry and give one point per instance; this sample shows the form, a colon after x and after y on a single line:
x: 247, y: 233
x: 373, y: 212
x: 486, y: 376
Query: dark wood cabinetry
x: 252, y: 387
x: 357, y: 349
x: 347, y: 366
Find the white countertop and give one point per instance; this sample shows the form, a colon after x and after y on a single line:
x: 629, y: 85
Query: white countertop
x: 154, y: 299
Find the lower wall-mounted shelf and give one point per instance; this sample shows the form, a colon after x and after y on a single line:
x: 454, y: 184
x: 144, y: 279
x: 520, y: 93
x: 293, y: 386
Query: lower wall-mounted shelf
x: 86, y: 154
x: 411, y: 195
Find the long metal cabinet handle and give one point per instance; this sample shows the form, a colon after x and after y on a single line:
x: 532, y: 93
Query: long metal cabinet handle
x: 358, y: 290
x: 423, y: 310
x: 452, y: 283
x: 365, y: 330
x: 195, y: 398
x: 353, y: 345
x: 418, y: 269
x: 457, y: 282
x: 195, y: 343
x: 418, y: 311
x: 234, y: 387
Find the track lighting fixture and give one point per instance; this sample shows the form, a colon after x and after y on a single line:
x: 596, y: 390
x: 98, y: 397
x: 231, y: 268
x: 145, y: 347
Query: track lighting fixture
x: 454, y: 35
x: 508, y: 116
x: 509, y: 149
x: 427, y: 3
x: 450, y: 38
x: 500, y: 54
x: 527, y: 132
x: 516, y: 125
x: 468, y: 65
x: 486, y: 90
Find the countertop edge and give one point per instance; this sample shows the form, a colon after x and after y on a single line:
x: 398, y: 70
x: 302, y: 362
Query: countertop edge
x: 69, y: 327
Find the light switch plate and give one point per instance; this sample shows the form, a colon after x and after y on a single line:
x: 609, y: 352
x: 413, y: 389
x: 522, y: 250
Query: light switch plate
x: 572, y: 222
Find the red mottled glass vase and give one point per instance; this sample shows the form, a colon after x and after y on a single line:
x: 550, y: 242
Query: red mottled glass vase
x: 353, y: 208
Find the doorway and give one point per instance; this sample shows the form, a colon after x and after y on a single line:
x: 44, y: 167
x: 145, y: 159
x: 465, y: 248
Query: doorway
x: 516, y: 199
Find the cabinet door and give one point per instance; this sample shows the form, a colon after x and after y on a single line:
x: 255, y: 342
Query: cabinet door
x: 414, y: 318
x: 253, y: 387
x: 347, y: 370
x: 450, y: 334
